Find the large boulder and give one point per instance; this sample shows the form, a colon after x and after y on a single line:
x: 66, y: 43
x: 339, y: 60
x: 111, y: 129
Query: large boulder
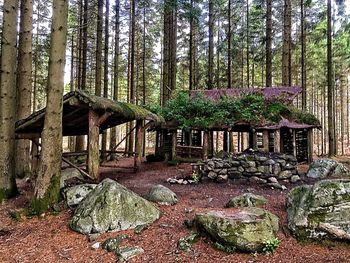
x: 323, y: 168
x: 162, y: 195
x: 75, y: 194
x: 247, y: 200
x: 320, y: 211
x: 245, y: 229
x: 112, y: 207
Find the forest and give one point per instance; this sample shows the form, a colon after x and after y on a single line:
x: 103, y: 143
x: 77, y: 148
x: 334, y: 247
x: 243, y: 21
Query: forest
x: 190, y: 90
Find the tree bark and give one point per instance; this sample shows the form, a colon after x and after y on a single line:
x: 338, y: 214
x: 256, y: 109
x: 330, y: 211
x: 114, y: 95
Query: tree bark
x: 330, y: 84
x: 211, y: 45
x: 303, y: 51
x: 8, y: 99
x: 286, y: 55
x: 46, y: 191
x: 98, y: 73
x: 229, y: 47
x: 268, y: 43
x: 113, y: 141
x: 24, y: 83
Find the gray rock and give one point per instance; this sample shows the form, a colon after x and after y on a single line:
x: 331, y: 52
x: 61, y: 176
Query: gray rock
x: 270, y: 162
x: 70, y: 174
x: 112, y: 244
x: 295, y: 178
x: 235, y: 163
x: 257, y: 180
x: 74, y: 195
x: 185, y: 243
x: 162, y: 195
x: 126, y: 253
x: 277, y: 186
x: 112, y: 207
x: 282, y: 162
x: 246, y: 229
x: 273, y: 180
x: 321, y: 211
x: 222, y: 178
x: 276, y: 169
x: 286, y: 174
x: 247, y: 200
x: 96, y: 245
x: 212, y: 175
x: 324, y: 168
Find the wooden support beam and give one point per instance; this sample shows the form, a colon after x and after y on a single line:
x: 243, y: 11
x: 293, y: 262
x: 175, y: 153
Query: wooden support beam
x: 266, y: 141
x: 205, y: 145
x: 173, y: 145
x: 93, y: 145
x: 294, y: 143
x: 277, y: 141
x: 310, y: 143
x: 126, y: 136
x: 76, y: 167
x: 28, y: 136
x: 138, y: 144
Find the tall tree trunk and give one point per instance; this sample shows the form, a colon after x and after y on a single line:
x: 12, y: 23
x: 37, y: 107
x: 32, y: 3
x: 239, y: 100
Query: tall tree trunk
x: 211, y: 45
x: 330, y: 84
x: 98, y: 73
x: 8, y: 99
x: 192, y: 74
x: 268, y: 43
x: 105, y: 75
x: 229, y: 48
x: 218, y: 58
x: 113, y: 141
x: 303, y: 51
x: 131, y: 62
x: 46, y: 191
x: 169, y: 50
x: 247, y: 31
x: 24, y: 83
x: 286, y: 55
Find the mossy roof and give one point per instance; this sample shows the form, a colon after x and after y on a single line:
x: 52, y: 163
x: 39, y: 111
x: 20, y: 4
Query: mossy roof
x: 76, y: 106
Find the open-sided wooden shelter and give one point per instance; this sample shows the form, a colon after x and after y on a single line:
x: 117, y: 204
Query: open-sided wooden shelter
x: 85, y: 114
x: 286, y: 136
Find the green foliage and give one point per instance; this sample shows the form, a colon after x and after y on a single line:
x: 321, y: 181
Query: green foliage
x: 271, y: 245
x: 203, y: 113
x: 195, y: 177
x: 6, y: 193
x: 52, y: 196
x: 15, y: 215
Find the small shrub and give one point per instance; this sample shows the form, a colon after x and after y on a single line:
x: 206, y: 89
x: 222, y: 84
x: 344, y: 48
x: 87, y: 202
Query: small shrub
x: 271, y: 245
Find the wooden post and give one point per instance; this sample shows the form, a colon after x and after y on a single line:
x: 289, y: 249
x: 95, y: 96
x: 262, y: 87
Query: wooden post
x: 266, y: 140
x: 310, y: 143
x: 93, y: 145
x: 277, y: 141
x: 205, y: 144
x: 253, y: 139
x: 138, y: 144
x: 173, y: 145
x: 294, y: 143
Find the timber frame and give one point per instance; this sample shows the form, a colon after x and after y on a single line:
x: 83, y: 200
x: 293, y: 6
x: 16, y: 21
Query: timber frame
x: 85, y: 114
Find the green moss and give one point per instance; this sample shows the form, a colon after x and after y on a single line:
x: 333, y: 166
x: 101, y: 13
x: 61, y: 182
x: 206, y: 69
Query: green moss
x: 51, y: 197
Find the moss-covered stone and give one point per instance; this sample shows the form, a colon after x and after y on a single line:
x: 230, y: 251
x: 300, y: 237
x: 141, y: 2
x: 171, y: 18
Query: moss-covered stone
x: 112, y: 207
x: 247, y: 200
x: 162, y: 195
x: 51, y: 197
x: 321, y: 211
x: 245, y: 229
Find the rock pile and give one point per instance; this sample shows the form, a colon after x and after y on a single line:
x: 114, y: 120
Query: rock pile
x: 254, y: 165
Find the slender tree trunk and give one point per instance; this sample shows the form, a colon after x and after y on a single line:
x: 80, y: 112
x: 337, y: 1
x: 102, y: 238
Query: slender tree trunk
x: 85, y: 47
x: 286, y: 55
x: 211, y: 45
x: 80, y: 39
x: 113, y: 141
x: 247, y: 31
x: 229, y: 48
x: 131, y: 77
x: 24, y: 83
x: 268, y: 43
x: 330, y: 84
x: 98, y: 73
x: 303, y: 51
x: 218, y: 58
x: 191, y: 50
x: 8, y: 99
x: 105, y: 75
x: 46, y: 191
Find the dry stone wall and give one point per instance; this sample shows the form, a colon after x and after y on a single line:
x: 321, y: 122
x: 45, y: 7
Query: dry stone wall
x: 254, y: 165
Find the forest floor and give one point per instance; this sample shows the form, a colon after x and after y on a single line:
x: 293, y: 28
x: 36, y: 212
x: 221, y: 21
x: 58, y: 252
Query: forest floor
x: 48, y: 238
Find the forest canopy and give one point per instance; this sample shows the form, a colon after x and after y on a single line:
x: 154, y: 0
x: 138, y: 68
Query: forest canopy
x: 201, y: 112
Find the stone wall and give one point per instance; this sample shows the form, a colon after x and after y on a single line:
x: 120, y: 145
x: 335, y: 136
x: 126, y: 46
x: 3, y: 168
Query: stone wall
x: 254, y: 165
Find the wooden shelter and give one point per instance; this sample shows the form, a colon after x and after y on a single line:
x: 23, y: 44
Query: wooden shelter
x: 286, y: 136
x: 85, y: 114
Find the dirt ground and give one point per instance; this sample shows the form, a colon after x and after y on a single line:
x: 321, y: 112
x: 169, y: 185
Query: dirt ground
x: 49, y: 239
